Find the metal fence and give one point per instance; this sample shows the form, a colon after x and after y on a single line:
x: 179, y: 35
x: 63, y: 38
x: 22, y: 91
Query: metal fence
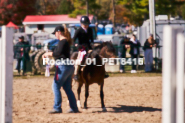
x: 35, y: 49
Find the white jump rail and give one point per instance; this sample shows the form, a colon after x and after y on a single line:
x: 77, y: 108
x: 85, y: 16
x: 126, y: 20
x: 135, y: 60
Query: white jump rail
x: 173, y: 75
x: 6, y: 74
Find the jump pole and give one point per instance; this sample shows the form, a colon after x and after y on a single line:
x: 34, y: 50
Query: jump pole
x: 6, y: 74
x: 173, y: 75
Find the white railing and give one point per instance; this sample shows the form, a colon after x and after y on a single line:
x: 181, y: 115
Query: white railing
x: 6, y: 75
x: 173, y: 75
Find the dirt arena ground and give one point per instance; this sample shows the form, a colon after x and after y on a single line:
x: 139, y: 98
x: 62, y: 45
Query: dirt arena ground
x: 128, y: 99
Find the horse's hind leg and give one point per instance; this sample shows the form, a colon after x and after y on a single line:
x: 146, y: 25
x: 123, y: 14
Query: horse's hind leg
x: 79, y: 91
x: 102, y: 96
x: 86, y: 94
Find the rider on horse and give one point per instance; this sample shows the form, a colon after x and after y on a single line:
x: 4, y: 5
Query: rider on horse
x: 85, y: 37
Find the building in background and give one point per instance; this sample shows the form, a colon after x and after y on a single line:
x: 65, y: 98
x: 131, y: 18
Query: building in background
x: 47, y: 23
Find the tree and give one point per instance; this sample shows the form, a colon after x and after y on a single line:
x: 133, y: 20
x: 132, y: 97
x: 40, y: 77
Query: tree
x: 80, y: 7
x: 6, y: 11
x: 165, y: 7
x: 16, y: 10
x: 22, y: 9
x: 47, y: 7
x: 106, y: 9
x: 137, y: 10
x: 65, y: 7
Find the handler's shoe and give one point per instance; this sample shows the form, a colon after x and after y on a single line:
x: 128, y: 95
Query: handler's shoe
x: 54, y: 111
x: 133, y: 71
x: 71, y: 111
x: 122, y: 71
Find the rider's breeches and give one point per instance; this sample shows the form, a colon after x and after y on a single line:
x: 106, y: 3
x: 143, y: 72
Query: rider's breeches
x: 77, y: 63
x: 80, y: 57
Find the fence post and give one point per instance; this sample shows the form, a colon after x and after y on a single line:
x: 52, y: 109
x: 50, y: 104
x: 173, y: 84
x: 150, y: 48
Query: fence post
x: 172, y: 84
x: 168, y: 92
x: 180, y: 79
x: 6, y: 74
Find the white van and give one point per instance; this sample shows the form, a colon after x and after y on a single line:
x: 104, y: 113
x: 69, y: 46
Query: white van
x: 115, y: 39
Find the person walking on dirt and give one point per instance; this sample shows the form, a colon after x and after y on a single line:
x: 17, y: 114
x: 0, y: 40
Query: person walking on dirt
x: 63, y: 74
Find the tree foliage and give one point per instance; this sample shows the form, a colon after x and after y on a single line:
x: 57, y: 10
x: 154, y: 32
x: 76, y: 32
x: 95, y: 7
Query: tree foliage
x: 136, y: 10
x: 105, y: 10
x: 65, y: 7
x: 16, y: 10
x: 80, y: 7
x: 127, y: 11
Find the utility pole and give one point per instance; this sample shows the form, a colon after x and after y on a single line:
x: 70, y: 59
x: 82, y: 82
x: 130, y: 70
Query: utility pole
x: 87, y: 5
x: 113, y: 8
x: 152, y: 17
x: 152, y: 28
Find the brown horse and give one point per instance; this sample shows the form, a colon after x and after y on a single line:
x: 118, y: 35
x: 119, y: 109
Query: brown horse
x: 94, y: 73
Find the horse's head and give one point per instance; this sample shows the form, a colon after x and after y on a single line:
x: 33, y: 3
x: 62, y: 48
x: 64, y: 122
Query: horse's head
x: 108, y: 50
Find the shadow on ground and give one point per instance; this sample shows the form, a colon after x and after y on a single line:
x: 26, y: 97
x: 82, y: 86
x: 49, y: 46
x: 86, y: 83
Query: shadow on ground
x: 128, y: 109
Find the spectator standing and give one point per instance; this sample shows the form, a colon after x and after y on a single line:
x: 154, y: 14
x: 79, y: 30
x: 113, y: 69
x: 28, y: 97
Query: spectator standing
x: 26, y: 56
x: 19, y: 49
x: 134, y: 52
x: 149, y: 43
x: 125, y: 44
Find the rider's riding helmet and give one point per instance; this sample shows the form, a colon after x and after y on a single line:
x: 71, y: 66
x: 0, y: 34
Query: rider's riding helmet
x: 85, y: 20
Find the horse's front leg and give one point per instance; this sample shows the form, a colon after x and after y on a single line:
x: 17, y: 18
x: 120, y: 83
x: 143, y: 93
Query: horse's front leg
x: 79, y: 91
x: 102, y: 96
x: 86, y: 94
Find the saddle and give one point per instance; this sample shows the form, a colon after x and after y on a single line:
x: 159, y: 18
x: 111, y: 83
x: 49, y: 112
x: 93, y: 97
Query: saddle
x: 83, y: 55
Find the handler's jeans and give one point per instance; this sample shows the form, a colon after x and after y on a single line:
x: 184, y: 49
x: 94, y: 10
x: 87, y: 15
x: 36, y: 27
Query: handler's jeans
x: 134, y: 64
x: 122, y: 67
x: 19, y: 65
x: 63, y: 78
x: 148, y: 60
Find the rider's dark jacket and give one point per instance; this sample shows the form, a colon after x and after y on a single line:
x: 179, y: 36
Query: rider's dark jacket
x: 84, y: 37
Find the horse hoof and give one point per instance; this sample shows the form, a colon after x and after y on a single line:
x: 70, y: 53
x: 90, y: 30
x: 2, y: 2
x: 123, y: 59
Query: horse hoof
x: 85, y: 108
x: 104, y: 109
x: 78, y: 104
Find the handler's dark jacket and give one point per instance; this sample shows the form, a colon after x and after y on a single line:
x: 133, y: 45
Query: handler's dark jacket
x: 147, y: 44
x: 17, y: 50
x: 84, y: 37
x: 122, y: 48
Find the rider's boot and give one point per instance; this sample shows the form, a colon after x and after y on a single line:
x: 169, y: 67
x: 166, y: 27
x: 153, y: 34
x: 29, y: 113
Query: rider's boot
x: 76, y: 72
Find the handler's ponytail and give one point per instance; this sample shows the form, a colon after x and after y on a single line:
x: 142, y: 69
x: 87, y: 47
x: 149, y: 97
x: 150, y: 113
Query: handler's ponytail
x: 67, y: 34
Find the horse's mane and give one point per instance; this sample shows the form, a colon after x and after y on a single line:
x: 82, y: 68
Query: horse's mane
x: 98, y: 47
x: 108, y: 44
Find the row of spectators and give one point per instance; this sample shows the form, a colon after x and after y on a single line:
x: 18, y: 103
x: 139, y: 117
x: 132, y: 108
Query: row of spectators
x: 134, y: 45
x: 128, y: 43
